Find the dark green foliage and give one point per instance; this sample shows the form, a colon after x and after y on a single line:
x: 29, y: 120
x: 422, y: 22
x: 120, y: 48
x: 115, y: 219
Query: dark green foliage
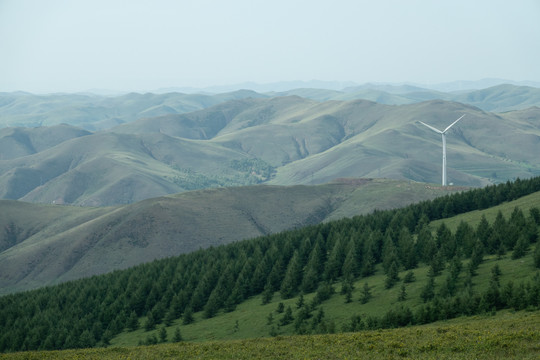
x: 162, y: 334
x: 150, y: 323
x: 537, y: 255
x: 521, y: 247
x: 292, y: 279
x: 428, y: 291
x: 287, y: 317
x: 392, y: 276
x: 93, y: 310
x: 300, y: 301
x: 133, y: 321
x: 356, y: 324
x: 366, y: 293
x: 409, y: 277
x: 402, y: 293
x: 187, y: 318
x: 324, y: 292
x: 177, y: 335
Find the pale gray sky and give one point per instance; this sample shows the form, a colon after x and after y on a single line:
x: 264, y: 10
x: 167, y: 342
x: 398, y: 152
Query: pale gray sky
x: 76, y: 45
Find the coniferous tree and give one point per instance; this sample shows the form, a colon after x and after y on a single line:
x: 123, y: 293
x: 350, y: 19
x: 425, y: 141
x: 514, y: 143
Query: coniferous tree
x: 483, y: 230
x: 407, y: 251
x: 465, y: 238
x: 537, y: 255
x: 534, y: 213
x: 409, y: 277
x: 425, y: 244
x: 300, y: 301
x: 291, y: 281
x: 368, y: 263
x: 150, y: 323
x: 455, y: 267
x: 312, y: 273
x: 437, y: 264
x: 334, y: 264
x: 177, y: 335
x: 350, y: 265
x: 521, y: 247
x: 389, y: 254
x: 446, y: 242
x: 402, y: 293
x: 163, y: 334
x: 287, y: 317
x: 428, y: 291
x: 187, y: 317
x: 133, y: 321
x: 366, y: 293
x: 392, y: 277
x: 267, y: 294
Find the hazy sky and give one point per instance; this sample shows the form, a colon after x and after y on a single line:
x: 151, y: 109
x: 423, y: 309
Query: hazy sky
x: 76, y: 45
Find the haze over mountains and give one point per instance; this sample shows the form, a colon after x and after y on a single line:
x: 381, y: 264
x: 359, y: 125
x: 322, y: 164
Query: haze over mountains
x: 94, y: 150
x: 133, y: 149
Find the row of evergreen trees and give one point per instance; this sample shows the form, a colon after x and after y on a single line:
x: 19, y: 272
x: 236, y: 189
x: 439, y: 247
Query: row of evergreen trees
x: 89, y: 312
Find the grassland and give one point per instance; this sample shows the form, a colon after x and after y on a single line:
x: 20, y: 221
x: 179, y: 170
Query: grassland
x: 250, y: 319
x: 473, y: 217
x: 55, y: 238
x: 507, y: 335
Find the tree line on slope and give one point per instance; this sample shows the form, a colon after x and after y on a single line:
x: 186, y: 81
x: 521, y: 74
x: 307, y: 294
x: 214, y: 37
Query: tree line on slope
x: 89, y: 312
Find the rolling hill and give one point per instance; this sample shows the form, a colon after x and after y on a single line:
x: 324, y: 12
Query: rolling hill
x: 93, y: 112
x: 281, y: 140
x: 378, y: 271
x: 46, y: 244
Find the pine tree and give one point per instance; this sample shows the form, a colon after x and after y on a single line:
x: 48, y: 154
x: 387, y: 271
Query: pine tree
x: 287, y: 317
x: 402, y: 293
x: 150, y: 323
x: 177, y: 335
x: 428, y: 291
x: 292, y: 279
x: 537, y: 255
x: 187, y: 318
x: 522, y: 245
x: 133, y: 321
x: 350, y: 267
x: 267, y: 294
x: 409, y: 277
x: 392, y: 277
x: 366, y: 293
x: 163, y: 334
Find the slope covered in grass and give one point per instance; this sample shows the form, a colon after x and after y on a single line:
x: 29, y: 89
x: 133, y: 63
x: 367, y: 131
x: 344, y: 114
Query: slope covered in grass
x: 382, y: 270
x: 47, y: 244
x: 285, y: 140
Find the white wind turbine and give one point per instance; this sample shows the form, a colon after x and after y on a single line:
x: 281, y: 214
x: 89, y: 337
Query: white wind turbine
x: 443, y: 134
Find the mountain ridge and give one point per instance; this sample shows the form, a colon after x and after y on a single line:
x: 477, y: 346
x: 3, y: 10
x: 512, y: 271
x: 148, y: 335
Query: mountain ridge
x: 45, y: 244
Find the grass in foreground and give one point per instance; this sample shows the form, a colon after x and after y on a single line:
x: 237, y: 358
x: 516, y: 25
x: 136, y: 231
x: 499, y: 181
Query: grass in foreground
x: 507, y: 335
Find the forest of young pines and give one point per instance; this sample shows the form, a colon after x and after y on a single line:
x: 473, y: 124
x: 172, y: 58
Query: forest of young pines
x: 90, y: 312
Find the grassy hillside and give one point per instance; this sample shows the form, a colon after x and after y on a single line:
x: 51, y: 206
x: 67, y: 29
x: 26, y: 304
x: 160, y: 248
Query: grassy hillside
x: 251, y: 319
x: 93, y: 112
x: 46, y: 244
x: 282, y: 141
x: 504, y: 336
x: 382, y: 270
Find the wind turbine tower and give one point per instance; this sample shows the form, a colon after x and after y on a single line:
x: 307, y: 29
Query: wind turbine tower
x: 443, y: 134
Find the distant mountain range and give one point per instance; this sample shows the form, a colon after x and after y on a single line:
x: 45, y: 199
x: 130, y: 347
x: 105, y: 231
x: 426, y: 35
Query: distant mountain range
x: 245, y: 138
x: 94, y: 112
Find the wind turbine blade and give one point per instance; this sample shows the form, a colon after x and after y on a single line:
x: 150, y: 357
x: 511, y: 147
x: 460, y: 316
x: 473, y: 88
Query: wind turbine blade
x: 431, y: 127
x: 452, y: 124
